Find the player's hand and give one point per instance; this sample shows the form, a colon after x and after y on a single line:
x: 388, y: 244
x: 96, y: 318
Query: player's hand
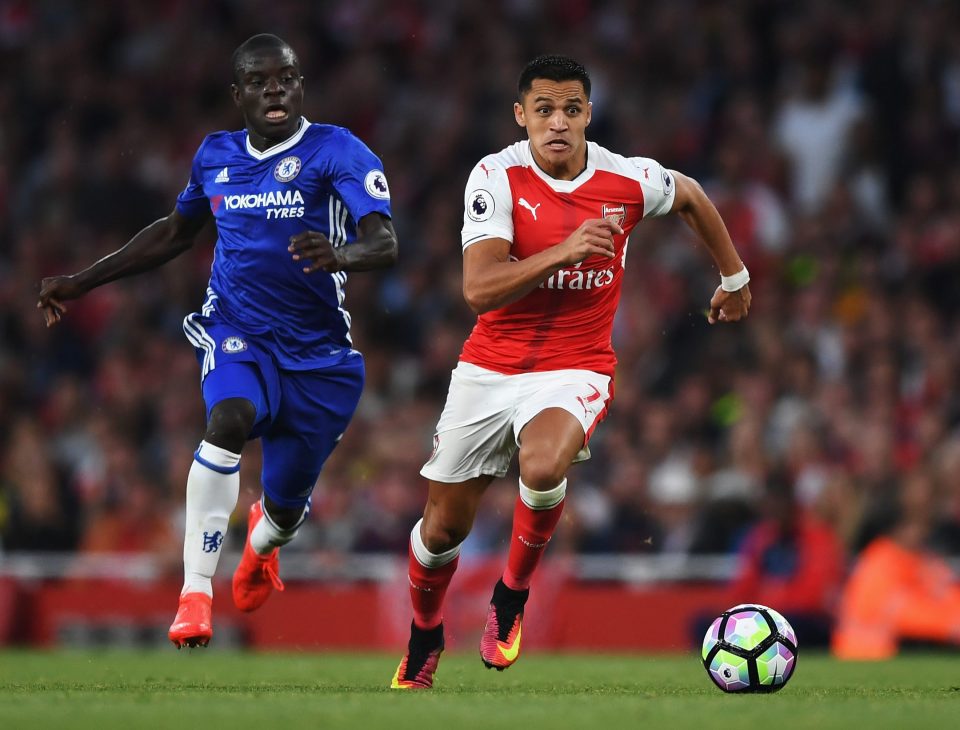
x: 729, y: 306
x: 594, y: 237
x: 54, y: 290
x: 315, y: 251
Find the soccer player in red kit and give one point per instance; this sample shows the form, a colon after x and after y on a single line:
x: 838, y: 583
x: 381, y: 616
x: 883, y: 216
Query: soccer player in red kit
x: 544, y: 237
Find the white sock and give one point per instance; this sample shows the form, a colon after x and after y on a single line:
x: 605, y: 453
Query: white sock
x: 213, y: 486
x: 543, y: 500
x: 266, y: 535
x: 424, y: 556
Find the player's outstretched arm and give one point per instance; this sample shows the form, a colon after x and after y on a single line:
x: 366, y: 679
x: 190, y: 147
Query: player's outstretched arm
x: 491, y: 279
x: 731, y: 300
x: 156, y: 244
x: 376, y: 247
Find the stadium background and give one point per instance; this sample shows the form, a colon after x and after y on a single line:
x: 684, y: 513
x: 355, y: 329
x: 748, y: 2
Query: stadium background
x: 843, y: 198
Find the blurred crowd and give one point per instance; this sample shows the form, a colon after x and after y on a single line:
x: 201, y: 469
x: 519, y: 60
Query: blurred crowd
x: 828, y: 135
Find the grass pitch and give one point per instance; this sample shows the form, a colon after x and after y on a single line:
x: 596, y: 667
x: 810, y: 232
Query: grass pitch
x: 210, y: 688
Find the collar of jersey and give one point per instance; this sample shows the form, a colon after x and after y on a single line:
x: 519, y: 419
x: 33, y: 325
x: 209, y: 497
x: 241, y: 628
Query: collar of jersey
x: 563, y: 186
x: 282, y: 146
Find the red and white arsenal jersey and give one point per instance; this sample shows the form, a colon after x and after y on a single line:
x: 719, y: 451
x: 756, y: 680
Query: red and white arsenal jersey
x: 567, y: 321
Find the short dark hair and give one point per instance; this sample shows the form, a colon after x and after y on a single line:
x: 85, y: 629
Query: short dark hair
x: 255, y: 44
x: 553, y: 68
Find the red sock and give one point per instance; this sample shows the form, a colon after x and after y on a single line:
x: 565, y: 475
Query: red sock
x: 428, y: 586
x: 532, y: 529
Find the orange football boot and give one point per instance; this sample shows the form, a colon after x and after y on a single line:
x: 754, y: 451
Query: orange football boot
x: 419, y: 664
x: 500, y: 642
x: 257, y: 575
x: 192, y: 626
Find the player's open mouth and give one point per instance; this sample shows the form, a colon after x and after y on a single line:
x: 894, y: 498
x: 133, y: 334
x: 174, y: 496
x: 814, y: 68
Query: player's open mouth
x: 557, y: 145
x: 276, y: 114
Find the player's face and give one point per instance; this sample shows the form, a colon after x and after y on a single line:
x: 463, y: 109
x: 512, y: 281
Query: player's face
x: 269, y: 92
x: 555, y: 115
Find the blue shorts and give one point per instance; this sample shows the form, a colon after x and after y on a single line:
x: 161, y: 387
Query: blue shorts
x: 301, y: 415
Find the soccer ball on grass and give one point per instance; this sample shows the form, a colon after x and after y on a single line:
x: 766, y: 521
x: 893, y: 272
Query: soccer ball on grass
x: 750, y: 648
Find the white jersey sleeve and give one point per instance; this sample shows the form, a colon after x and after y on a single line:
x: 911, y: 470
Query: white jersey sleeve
x: 487, y: 204
x: 658, y: 187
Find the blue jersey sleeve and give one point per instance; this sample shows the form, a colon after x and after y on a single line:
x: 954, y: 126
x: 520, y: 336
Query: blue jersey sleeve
x: 359, y: 180
x: 192, y: 202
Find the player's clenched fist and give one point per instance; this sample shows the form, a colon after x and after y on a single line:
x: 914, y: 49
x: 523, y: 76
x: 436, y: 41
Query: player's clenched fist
x: 54, y: 290
x: 594, y: 237
x: 316, y: 251
x: 729, y: 306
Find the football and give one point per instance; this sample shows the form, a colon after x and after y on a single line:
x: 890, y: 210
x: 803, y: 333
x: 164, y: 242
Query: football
x: 750, y: 648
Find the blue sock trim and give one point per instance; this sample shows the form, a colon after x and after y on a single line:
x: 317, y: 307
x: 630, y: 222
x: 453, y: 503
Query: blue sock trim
x: 214, y: 467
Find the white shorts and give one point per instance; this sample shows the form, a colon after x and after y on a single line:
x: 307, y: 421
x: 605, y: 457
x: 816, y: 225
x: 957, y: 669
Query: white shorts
x: 478, y: 432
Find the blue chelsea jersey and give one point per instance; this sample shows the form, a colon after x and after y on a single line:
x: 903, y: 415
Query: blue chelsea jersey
x: 322, y: 179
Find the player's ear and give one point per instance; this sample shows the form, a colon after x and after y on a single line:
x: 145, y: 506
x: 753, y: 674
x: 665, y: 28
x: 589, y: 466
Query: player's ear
x: 589, y: 112
x: 518, y: 114
x: 235, y: 93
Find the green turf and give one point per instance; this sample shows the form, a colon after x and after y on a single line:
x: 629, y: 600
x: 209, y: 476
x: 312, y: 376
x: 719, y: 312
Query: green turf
x: 210, y: 689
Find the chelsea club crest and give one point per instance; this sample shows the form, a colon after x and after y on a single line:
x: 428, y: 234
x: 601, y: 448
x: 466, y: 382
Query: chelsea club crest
x: 287, y: 169
x: 233, y: 345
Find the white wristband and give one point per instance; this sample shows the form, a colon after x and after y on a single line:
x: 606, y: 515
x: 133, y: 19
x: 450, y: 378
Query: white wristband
x: 736, y: 281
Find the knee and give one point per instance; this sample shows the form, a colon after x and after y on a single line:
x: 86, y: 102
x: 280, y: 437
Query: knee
x: 440, y: 535
x: 230, y: 423
x: 541, y: 469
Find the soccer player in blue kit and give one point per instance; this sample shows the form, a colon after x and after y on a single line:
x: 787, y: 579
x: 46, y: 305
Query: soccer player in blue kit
x: 297, y: 205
